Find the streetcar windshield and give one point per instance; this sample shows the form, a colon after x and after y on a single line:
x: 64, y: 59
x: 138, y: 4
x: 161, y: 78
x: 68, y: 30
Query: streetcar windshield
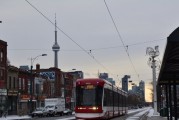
x: 89, y: 95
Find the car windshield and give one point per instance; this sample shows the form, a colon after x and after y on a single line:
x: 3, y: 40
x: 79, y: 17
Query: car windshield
x: 38, y: 109
x: 49, y: 106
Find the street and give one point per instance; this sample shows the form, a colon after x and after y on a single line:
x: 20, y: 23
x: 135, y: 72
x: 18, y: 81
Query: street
x: 135, y: 114
x: 69, y: 117
x: 138, y: 114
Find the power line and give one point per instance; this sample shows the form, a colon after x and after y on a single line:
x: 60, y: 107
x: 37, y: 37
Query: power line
x: 121, y: 38
x: 67, y: 35
x: 93, y: 49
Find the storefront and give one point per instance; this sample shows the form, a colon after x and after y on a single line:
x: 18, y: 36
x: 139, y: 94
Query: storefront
x: 12, y: 102
x: 3, y: 99
x: 41, y: 101
x: 24, y: 104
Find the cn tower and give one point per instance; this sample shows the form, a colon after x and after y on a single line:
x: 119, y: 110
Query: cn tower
x: 56, y: 47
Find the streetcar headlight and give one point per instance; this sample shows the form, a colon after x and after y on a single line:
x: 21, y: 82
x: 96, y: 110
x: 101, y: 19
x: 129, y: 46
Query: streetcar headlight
x: 95, y: 108
x: 81, y: 108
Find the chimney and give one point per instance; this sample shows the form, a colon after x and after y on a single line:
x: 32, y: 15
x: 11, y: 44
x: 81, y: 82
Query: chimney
x: 38, y: 68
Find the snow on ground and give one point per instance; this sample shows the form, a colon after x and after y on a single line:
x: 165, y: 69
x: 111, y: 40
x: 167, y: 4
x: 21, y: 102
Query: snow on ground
x: 69, y: 118
x: 141, y: 111
x: 138, y: 115
x: 151, y: 113
x: 15, y: 117
x: 134, y: 110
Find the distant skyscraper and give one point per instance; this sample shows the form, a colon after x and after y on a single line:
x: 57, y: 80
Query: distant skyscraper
x: 56, y: 47
x: 111, y: 81
x: 125, y: 83
x: 134, y: 89
x: 103, y: 76
x: 142, y: 89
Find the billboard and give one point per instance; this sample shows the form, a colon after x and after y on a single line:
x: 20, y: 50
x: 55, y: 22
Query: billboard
x: 49, y: 75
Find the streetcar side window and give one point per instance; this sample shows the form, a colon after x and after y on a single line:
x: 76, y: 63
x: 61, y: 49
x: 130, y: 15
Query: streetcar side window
x: 105, y: 97
x: 126, y: 105
x: 115, y: 99
x: 108, y: 97
x: 99, y: 95
x: 124, y: 101
x: 120, y: 100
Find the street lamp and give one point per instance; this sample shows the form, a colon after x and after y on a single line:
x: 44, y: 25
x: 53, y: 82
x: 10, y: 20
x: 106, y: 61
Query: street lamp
x: 153, y: 53
x: 31, y: 78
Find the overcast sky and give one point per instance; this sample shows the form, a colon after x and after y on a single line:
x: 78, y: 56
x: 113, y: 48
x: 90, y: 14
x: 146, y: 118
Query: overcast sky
x: 141, y: 24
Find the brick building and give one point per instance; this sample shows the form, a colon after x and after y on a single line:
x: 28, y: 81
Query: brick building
x: 68, y: 88
x: 12, y: 87
x: 24, y: 91
x: 3, y: 75
x: 54, y: 80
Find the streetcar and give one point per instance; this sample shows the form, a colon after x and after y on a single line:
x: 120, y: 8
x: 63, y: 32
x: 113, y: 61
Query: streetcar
x: 99, y: 99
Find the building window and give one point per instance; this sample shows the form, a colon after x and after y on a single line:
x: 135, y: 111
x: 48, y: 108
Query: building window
x: 10, y: 82
x: 29, y: 87
x: 20, y: 83
x: 23, y: 84
x: 1, y: 74
x: 1, y: 56
x: 14, y: 82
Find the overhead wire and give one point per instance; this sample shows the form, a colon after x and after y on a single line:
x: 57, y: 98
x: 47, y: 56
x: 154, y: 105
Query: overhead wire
x: 67, y: 36
x: 94, y: 49
x: 120, y: 37
x: 89, y: 52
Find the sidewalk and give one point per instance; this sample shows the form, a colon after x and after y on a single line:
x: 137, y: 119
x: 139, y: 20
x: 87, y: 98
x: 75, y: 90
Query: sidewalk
x: 156, y: 118
x: 15, y: 117
x: 150, y: 116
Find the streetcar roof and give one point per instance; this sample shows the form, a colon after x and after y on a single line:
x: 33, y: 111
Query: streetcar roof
x: 102, y: 81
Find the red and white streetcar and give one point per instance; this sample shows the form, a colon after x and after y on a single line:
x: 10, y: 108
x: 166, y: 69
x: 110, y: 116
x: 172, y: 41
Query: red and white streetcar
x: 99, y: 99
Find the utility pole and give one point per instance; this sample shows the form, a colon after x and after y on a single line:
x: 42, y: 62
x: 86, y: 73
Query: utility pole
x: 152, y: 62
x: 31, y: 79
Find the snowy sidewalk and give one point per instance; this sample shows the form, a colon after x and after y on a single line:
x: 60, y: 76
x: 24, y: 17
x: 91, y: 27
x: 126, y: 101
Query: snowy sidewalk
x: 15, y: 117
x: 151, y: 116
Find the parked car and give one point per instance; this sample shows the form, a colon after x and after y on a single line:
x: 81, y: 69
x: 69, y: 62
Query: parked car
x: 135, y: 107
x: 67, y: 112
x: 140, y: 106
x: 39, y: 112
